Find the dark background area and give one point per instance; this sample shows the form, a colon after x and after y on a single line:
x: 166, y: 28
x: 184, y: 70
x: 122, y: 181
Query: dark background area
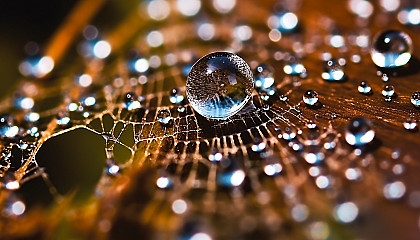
x: 22, y: 21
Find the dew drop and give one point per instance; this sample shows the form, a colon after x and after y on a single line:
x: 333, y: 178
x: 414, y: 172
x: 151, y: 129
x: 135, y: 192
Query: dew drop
x: 410, y: 124
x: 175, y: 96
x: 310, y: 97
x: 364, y: 88
x: 164, y: 117
x: 333, y: 71
x: 359, y: 132
x: 264, y: 76
x: 415, y: 99
x: 294, y: 69
x: 388, y: 92
x: 391, y: 49
x: 131, y: 101
x: 219, y: 85
x: 111, y: 168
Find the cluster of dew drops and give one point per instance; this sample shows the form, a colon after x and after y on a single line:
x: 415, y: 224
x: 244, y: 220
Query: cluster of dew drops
x: 25, y: 133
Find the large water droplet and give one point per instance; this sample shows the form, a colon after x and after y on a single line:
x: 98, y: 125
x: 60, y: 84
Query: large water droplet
x: 391, y: 49
x: 219, y: 85
x: 359, y: 132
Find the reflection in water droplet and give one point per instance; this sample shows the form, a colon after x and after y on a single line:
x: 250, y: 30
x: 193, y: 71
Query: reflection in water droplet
x: 294, y: 69
x: 359, y: 132
x: 310, y: 97
x: 219, y: 85
x: 391, y: 49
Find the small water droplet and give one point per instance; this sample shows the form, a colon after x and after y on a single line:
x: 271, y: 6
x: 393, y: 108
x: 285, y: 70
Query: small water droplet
x: 391, y: 49
x: 385, y: 77
x: 164, y: 182
x: 388, y: 92
x: 364, y: 88
x: 111, y: 168
x: 36, y: 66
x: 264, y: 77
x: 359, y: 132
x: 410, y: 124
x: 175, y: 96
x: 289, y: 133
x: 310, y: 97
x: 415, y: 99
x: 131, y: 101
x: 219, y: 85
x: 164, y: 117
x: 333, y: 71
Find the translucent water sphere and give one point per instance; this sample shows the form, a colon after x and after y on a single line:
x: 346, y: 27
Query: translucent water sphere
x: 264, y: 76
x: 359, y: 132
x: 310, y: 97
x: 415, y: 99
x: 391, y: 49
x: 219, y: 85
x: 364, y: 88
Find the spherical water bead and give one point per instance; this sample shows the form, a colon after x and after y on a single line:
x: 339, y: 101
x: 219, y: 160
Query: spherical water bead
x: 219, y: 85
x: 415, y: 99
x: 359, y: 132
x: 364, y: 88
x: 264, y: 76
x: 175, y: 96
x: 410, y: 124
x: 283, y: 21
x: 131, y: 102
x: 7, y: 127
x: 391, y: 49
x: 310, y: 97
x: 164, y: 117
x: 63, y: 118
x: 333, y: 71
x: 36, y: 66
x: 388, y: 92
x: 112, y: 167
